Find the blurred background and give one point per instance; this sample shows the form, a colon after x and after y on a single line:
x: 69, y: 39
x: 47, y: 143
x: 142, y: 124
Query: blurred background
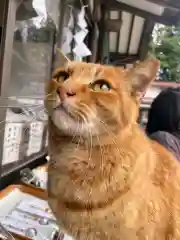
x: 112, y: 32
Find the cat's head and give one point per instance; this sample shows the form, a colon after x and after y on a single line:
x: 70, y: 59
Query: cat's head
x: 89, y: 99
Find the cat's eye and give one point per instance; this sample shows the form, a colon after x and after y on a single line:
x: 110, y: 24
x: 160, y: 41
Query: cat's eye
x: 62, y: 76
x: 101, y: 85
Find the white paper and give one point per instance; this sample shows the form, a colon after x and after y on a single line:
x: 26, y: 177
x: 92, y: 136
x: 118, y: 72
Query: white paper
x: 40, y: 7
x: 14, y: 225
x: 80, y: 36
x: 20, y: 225
x: 33, y: 209
x: 66, y: 48
x: 17, y: 222
x: 25, y: 218
x: 67, y: 39
x: 82, y: 23
x: 81, y: 50
x: 12, y: 142
x: 81, y: 18
x: 53, y: 10
x: 71, y: 21
x: 68, y: 35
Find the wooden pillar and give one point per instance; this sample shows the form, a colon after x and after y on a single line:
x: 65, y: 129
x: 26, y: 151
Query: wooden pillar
x: 102, y: 30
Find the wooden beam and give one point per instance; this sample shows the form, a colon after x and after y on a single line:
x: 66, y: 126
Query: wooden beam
x: 88, y: 15
x: 97, y: 11
x: 145, y: 39
x: 122, y: 59
x: 168, y: 4
x: 114, y: 5
x: 101, y: 25
x: 130, y: 33
x: 113, y: 25
x: 119, y: 32
x: 94, y: 43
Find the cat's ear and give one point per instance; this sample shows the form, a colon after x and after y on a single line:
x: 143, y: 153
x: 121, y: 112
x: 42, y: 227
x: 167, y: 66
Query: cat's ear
x: 142, y: 74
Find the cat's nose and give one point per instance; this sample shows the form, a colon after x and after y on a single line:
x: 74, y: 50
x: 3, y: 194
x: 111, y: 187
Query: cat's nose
x: 64, y: 93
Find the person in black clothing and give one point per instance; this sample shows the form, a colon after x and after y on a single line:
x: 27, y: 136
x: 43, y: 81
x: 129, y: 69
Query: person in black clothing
x: 163, y: 123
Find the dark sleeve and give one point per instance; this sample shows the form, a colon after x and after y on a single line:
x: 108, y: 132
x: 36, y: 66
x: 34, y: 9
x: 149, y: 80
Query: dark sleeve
x: 168, y: 141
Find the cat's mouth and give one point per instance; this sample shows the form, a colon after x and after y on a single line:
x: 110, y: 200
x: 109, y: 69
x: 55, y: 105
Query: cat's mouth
x: 67, y: 120
x: 64, y: 110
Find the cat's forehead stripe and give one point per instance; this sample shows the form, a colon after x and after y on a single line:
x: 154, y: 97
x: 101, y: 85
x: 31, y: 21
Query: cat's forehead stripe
x: 89, y: 72
x: 92, y: 70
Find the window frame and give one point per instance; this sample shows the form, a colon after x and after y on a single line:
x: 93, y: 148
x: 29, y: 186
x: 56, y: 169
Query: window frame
x: 10, y: 22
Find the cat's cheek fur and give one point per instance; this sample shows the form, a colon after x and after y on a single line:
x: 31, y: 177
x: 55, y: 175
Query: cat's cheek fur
x: 59, y: 120
x: 71, y: 127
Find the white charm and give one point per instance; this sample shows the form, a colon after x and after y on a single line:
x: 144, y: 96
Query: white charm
x: 81, y: 18
x: 67, y: 39
x: 80, y: 36
x: 71, y: 22
x: 66, y: 48
x: 81, y: 50
x: 68, y: 36
x: 40, y: 8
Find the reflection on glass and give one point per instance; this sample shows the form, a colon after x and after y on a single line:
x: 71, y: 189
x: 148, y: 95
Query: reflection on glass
x: 31, y: 66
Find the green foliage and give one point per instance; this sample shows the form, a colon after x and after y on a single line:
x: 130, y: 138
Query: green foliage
x: 166, y: 47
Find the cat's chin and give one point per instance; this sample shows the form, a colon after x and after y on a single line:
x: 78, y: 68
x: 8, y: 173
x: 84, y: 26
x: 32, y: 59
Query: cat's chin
x: 70, y: 126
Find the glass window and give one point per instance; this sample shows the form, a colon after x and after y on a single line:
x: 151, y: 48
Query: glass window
x: 3, y: 15
x: 25, y: 130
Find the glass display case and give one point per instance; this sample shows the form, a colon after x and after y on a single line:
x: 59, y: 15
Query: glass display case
x: 30, y: 32
x: 31, y: 28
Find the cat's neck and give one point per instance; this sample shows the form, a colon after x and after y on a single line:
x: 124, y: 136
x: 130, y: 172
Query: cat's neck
x: 121, y: 158
x: 109, y: 138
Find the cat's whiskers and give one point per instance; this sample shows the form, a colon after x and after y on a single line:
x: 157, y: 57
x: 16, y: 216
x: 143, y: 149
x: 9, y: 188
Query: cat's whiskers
x: 80, y: 137
x: 110, y: 133
x: 91, y: 147
x: 102, y: 156
x: 90, y: 133
x: 22, y: 105
x: 5, y: 121
x: 75, y: 133
x: 36, y: 107
x: 29, y: 97
x: 33, y: 119
x: 82, y: 125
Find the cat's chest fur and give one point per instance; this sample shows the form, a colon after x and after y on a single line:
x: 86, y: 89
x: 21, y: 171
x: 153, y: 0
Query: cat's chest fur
x: 120, y: 191
x: 80, y: 176
x: 127, y: 218
x: 84, y: 171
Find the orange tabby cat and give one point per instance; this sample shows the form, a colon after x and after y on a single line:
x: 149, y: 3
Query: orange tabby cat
x: 107, y: 180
